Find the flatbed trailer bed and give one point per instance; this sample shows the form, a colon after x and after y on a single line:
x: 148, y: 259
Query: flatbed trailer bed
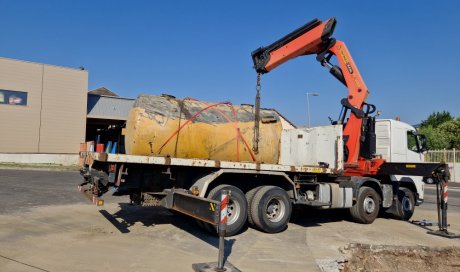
x: 169, y: 161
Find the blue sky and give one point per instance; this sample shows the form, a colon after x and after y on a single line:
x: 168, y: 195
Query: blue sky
x: 405, y: 50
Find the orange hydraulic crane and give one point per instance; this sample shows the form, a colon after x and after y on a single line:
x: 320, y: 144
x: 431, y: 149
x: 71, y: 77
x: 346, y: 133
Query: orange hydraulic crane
x: 359, y: 126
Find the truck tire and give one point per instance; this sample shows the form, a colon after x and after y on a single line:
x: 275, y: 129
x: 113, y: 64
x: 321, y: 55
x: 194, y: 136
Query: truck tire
x: 406, y: 204
x: 366, y: 208
x: 271, y: 209
x: 237, y: 209
x: 249, y: 197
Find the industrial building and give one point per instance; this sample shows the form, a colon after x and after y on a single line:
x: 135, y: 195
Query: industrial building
x: 46, y: 111
x: 42, y: 107
x: 106, y: 115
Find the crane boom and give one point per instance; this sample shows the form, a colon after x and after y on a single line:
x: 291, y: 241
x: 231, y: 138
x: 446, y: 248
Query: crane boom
x: 308, y: 39
x: 315, y: 38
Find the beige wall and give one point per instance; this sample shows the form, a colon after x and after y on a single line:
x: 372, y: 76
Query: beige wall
x: 54, y: 119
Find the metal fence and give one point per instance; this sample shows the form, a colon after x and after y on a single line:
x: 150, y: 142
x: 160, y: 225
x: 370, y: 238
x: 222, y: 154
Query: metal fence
x: 451, y: 157
x: 443, y: 155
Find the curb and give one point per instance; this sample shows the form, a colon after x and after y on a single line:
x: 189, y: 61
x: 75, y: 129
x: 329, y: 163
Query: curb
x: 40, y: 168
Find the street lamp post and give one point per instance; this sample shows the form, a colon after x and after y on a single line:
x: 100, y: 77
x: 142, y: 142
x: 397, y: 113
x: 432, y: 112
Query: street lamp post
x: 308, y: 106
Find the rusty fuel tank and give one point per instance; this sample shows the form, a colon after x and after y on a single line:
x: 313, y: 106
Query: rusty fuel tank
x: 188, y: 128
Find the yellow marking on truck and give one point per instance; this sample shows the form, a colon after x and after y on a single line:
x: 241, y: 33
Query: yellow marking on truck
x: 317, y: 170
x: 212, y: 207
x: 411, y: 166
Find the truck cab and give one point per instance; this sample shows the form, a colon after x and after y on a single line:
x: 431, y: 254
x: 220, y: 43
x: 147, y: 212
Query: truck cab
x: 397, y: 141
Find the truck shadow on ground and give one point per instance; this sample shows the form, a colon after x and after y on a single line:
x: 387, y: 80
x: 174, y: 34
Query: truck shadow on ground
x: 128, y: 215
x: 310, y: 217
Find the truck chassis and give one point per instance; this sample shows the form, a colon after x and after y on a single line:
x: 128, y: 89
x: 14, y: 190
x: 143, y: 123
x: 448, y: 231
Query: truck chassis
x: 261, y: 194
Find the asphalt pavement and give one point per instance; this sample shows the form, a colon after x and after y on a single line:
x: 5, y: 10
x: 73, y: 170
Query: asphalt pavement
x: 453, y: 199
x: 24, y: 189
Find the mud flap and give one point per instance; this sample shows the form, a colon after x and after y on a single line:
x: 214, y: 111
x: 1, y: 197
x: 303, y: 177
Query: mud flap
x: 203, y: 209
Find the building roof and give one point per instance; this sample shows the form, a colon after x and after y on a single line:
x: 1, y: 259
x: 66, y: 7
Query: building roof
x: 81, y: 68
x: 103, y: 91
x: 108, y: 107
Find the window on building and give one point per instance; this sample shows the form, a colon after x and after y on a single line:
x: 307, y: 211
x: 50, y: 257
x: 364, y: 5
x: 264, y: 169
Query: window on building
x: 13, y: 97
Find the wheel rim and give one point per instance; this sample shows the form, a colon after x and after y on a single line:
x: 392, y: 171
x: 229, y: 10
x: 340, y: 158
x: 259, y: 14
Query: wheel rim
x: 233, y: 211
x: 369, y: 205
x: 275, y: 210
x: 406, y: 204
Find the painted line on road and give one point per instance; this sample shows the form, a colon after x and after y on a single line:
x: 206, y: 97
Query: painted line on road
x: 453, y: 189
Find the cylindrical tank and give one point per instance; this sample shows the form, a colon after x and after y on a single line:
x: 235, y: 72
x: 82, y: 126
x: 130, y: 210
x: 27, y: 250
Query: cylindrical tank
x: 188, y: 128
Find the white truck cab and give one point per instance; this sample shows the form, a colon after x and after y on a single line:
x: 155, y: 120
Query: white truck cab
x: 397, y: 141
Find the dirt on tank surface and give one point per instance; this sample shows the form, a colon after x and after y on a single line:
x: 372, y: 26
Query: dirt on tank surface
x: 193, y: 129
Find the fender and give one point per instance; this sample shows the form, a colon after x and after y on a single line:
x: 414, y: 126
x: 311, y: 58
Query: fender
x: 202, y: 184
x: 386, y: 193
x: 408, y: 183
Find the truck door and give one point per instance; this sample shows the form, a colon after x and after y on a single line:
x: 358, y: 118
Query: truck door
x: 398, y: 143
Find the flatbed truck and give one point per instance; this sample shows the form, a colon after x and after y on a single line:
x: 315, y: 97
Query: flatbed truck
x: 345, y: 165
x: 263, y: 194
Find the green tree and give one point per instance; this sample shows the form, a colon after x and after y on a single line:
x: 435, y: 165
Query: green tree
x: 436, y: 119
x: 436, y: 139
x: 451, y: 131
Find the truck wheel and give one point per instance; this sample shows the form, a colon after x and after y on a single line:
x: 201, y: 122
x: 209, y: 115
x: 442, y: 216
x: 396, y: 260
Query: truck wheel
x: 366, y: 208
x: 249, y: 197
x: 237, y: 209
x: 271, y: 209
x: 406, y: 204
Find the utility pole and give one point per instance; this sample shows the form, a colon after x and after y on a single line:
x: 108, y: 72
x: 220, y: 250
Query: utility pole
x: 308, y: 106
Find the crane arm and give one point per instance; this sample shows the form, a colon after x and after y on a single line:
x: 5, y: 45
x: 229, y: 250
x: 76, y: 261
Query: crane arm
x: 315, y: 38
x: 308, y: 39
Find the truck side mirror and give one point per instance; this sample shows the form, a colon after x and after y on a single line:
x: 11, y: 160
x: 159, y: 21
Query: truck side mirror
x: 423, y: 143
